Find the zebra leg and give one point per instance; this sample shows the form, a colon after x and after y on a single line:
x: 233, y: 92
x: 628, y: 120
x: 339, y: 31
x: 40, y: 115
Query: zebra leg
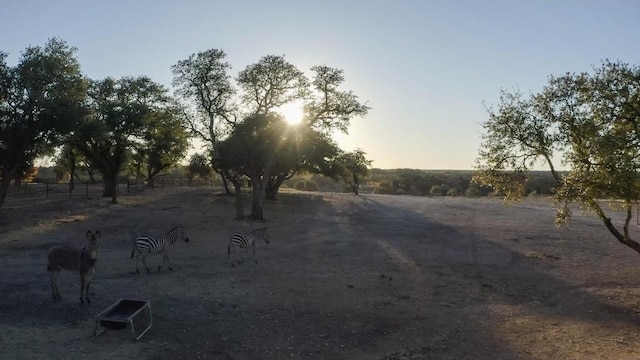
x: 168, y: 261
x: 254, y: 252
x: 137, y: 261
x: 144, y: 262
x: 164, y: 259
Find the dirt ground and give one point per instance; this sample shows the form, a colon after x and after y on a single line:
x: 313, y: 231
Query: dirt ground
x: 344, y: 277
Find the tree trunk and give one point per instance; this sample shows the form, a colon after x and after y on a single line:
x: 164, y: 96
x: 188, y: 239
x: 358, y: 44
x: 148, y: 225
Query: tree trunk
x: 256, y: 198
x: 111, y: 188
x: 635, y: 246
x: 273, y: 186
x: 238, y: 188
x: 72, y: 160
x: 271, y: 192
x: 91, y: 174
x: 225, y: 184
x: 4, y: 187
x: 7, y: 173
x: 151, y: 177
x: 225, y: 179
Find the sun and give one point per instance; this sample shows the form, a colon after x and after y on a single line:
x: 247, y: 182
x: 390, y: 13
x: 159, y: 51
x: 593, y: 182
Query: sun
x: 293, y: 112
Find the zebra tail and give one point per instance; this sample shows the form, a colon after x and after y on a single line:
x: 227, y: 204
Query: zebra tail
x: 133, y: 251
x: 229, y: 248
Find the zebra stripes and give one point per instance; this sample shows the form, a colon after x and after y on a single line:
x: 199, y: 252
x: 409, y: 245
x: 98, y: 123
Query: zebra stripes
x: 242, y: 241
x: 147, y: 244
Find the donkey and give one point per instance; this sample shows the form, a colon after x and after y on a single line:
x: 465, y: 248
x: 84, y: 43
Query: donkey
x: 82, y: 261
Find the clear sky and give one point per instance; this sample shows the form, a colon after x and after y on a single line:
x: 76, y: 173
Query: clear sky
x: 427, y: 69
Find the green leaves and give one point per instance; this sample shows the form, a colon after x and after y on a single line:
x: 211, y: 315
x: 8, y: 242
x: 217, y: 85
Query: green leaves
x: 589, y: 120
x: 41, y: 99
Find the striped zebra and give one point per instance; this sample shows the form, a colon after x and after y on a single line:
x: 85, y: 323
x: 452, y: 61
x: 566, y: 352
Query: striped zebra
x: 242, y: 241
x: 147, y: 244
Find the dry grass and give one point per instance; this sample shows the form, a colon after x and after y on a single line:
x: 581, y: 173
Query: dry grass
x: 344, y: 277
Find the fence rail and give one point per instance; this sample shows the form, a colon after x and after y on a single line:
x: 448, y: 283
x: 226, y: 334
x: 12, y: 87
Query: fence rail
x: 89, y: 189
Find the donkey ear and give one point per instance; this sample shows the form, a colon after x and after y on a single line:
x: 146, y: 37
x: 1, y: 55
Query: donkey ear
x: 97, y: 234
x: 89, y: 235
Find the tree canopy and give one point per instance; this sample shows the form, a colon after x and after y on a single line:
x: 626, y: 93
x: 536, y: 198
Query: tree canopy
x: 126, y: 115
x: 40, y: 100
x: 110, y: 125
x: 351, y: 167
x: 587, y: 123
x: 262, y: 88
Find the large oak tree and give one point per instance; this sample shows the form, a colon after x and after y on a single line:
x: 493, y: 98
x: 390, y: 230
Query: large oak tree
x: 40, y: 100
x: 120, y: 117
x: 590, y: 124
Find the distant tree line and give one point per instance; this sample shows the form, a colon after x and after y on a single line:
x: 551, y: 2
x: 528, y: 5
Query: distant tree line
x: 417, y: 182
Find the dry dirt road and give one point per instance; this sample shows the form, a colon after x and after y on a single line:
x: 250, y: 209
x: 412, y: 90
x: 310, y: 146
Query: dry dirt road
x: 344, y: 277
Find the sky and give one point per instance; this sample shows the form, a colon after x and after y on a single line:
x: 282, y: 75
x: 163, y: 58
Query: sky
x: 428, y: 69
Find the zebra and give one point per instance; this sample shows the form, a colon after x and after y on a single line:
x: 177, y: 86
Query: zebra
x: 147, y: 244
x: 242, y: 241
x: 83, y: 261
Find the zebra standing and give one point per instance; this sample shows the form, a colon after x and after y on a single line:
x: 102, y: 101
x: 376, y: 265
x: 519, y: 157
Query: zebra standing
x: 242, y: 241
x: 147, y: 244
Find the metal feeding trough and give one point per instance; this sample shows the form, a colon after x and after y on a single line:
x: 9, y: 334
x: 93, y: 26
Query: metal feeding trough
x: 122, y: 313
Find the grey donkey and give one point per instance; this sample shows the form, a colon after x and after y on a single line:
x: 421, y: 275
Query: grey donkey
x: 82, y: 261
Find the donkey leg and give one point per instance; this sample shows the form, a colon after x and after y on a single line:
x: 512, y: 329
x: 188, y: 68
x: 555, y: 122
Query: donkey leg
x: 82, y: 286
x: 87, y: 291
x: 54, y: 283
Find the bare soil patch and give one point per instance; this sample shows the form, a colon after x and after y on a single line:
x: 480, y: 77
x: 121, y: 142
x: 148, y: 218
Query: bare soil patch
x: 344, y: 277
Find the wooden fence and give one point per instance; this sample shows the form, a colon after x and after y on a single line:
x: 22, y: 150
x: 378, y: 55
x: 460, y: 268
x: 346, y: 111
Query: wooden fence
x: 91, y: 189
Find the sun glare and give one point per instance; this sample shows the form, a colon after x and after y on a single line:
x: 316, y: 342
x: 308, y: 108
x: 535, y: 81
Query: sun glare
x: 292, y: 112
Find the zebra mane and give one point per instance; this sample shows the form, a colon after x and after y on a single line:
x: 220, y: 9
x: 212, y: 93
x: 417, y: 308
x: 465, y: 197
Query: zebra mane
x: 176, y: 227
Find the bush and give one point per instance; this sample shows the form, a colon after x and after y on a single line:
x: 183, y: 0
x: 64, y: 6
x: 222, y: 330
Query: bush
x: 306, y: 185
x: 472, y: 191
x: 435, y: 190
